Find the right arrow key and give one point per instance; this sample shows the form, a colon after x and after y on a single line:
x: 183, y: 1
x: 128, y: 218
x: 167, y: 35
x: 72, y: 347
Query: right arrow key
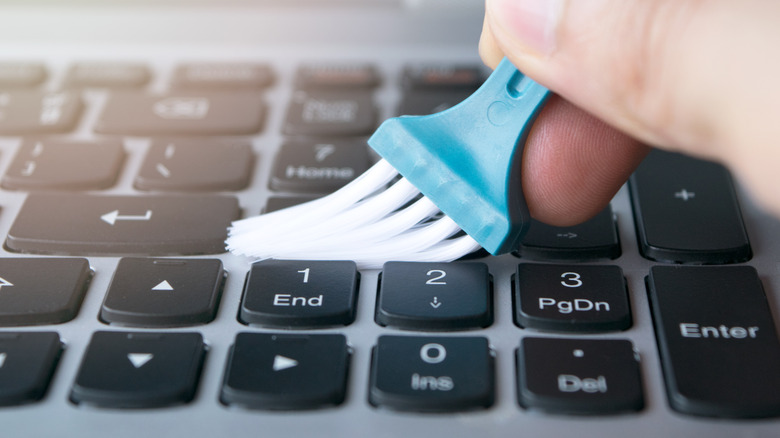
x: 286, y: 371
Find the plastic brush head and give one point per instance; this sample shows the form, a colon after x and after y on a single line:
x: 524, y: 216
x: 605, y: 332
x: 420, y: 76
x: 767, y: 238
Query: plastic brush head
x: 466, y: 159
x: 466, y: 163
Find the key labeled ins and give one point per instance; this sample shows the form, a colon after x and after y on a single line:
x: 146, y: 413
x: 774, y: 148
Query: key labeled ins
x: 432, y: 374
x: 571, y: 298
x: 300, y: 293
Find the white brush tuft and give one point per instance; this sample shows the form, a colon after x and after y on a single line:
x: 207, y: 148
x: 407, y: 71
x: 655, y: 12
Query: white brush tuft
x: 366, y: 221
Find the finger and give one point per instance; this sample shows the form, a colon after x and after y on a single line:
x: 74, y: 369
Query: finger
x: 573, y: 164
x: 489, y: 50
x: 693, y: 76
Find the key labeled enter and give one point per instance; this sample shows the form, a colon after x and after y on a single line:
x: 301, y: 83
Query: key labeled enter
x: 717, y: 340
x: 300, y: 293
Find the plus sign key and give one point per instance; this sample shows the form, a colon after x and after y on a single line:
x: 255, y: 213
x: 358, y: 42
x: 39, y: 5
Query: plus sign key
x: 300, y: 293
x: 687, y: 211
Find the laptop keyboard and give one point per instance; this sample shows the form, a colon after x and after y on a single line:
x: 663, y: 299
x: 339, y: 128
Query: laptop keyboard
x: 117, y: 299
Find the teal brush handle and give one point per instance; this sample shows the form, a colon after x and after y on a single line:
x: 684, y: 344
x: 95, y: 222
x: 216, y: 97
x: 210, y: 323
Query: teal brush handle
x: 467, y: 158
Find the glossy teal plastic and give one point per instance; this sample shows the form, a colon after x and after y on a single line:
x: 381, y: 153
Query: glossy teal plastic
x: 466, y: 159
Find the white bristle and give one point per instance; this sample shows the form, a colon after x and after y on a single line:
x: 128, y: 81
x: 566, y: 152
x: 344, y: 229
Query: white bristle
x: 366, y: 221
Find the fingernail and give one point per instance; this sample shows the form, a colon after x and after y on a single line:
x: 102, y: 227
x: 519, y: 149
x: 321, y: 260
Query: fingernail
x: 531, y: 22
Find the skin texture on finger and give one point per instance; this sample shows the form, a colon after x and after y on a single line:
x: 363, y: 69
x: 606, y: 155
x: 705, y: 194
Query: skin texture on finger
x: 695, y: 76
x: 573, y: 164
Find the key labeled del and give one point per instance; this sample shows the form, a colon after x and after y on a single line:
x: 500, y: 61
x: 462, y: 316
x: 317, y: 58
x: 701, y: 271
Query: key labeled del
x: 578, y: 376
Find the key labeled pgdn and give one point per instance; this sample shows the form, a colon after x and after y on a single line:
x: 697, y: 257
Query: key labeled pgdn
x: 571, y: 298
x: 576, y: 305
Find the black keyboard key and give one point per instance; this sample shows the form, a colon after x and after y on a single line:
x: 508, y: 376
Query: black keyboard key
x: 571, y: 298
x: 21, y: 74
x: 686, y: 211
x: 286, y: 371
x: 37, y: 291
x: 421, y: 103
x: 139, y: 369
x: 219, y: 75
x: 434, y: 296
x: 596, y: 238
x: 579, y: 376
x: 333, y: 76
x: 417, y: 77
x: 38, y: 112
x: 318, y: 166
x: 163, y: 292
x: 123, y: 225
x: 182, y: 114
x: 196, y: 165
x: 717, y: 339
x: 432, y: 374
x: 275, y: 203
x: 321, y: 113
x: 27, y: 363
x: 61, y: 165
x: 108, y: 75
x: 300, y: 293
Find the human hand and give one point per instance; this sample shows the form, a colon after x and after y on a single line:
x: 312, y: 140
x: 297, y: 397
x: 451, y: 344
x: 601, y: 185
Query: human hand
x: 696, y: 76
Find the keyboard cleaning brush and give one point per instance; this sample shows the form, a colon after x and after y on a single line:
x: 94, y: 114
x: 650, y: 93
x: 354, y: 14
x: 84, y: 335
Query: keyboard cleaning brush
x: 465, y: 161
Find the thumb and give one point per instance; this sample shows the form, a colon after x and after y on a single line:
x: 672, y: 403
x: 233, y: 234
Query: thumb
x: 694, y: 76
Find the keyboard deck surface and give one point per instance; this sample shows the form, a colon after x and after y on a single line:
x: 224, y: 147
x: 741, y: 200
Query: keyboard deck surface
x: 121, y: 169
